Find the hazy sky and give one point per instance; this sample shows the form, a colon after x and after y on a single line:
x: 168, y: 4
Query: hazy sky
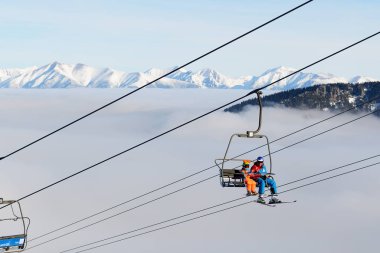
x: 341, y: 215
x: 137, y: 35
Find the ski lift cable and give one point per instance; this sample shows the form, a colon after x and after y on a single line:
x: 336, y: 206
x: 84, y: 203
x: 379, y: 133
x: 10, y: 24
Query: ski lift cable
x: 204, y: 215
x: 323, y: 59
x: 184, y: 124
x: 118, y: 214
x: 155, y: 80
x: 118, y: 205
x: 241, y: 183
x: 306, y: 139
x: 155, y: 224
x: 328, y: 130
x: 314, y: 124
x: 211, y: 207
x: 125, y: 211
x: 81, y: 228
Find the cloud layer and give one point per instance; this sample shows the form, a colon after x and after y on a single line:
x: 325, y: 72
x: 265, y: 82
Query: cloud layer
x: 339, y: 215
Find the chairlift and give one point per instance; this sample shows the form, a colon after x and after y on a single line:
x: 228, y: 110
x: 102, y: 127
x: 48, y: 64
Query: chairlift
x: 14, y: 242
x: 233, y: 176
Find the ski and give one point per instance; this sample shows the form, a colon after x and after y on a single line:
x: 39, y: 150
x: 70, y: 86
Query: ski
x: 285, y: 202
x: 265, y: 204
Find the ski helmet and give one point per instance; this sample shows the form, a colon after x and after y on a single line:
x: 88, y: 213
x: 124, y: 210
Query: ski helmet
x: 260, y: 159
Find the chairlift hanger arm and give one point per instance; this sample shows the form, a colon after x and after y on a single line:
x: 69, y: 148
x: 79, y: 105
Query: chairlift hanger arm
x: 259, y: 99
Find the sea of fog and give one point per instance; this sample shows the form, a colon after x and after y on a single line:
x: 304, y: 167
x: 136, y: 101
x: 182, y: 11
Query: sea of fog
x: 339, y: 215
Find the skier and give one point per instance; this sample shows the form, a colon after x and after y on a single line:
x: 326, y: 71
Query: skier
x: 249, y: 182
x: 259, y: 174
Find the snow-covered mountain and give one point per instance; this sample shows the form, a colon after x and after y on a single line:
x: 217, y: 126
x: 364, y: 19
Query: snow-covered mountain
x: 208, y: 78
x: 362, y: 79
x: 59, y: 75
x: 299, y: 80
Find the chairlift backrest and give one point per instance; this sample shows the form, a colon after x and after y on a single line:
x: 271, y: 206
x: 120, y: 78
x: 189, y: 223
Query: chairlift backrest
x: 230, y: 177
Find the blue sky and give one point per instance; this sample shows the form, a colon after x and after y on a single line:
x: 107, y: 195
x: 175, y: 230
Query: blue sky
x: 137, y: 35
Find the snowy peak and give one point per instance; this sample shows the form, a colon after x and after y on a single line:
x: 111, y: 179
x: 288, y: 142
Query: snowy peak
x: 60, y: 75
x: 362, y: 79
x: 155, y: 73
x: 280, y: 70
x: 299, y: 80
x: 12, y: 73
x: 272, y: 75
x: 212, y: 79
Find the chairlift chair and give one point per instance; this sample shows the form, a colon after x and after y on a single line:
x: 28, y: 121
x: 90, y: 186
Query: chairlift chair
x: 234, y: 177
x: 18, y: 242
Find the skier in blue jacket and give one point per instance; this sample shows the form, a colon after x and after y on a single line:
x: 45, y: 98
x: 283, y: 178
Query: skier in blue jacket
x: 259, y: 172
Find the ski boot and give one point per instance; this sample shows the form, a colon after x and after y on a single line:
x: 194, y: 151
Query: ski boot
x: 260, y: 200
x: 274, y: 200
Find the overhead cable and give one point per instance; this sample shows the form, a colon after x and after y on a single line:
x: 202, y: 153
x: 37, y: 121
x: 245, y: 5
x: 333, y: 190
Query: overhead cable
x: 202, y: 216
x: 183, y: 124
x: 128, y: 210
x: 118, y: 205
x: 155, y: 80
x: 145, y: 203
x: 314, y: 63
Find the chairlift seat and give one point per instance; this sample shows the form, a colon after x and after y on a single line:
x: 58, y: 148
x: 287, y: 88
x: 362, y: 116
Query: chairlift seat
x: 232, y: 178
x: 12, y: 243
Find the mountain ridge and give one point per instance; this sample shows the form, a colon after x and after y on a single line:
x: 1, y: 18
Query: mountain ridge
x: 60, y: 75
x: 325, y: 97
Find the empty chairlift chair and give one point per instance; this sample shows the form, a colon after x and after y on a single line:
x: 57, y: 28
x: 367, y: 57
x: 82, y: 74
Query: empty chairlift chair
x: 14, y: 243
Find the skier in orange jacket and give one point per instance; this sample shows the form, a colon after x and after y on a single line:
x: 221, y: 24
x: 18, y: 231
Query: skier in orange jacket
x: 249, y: 182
